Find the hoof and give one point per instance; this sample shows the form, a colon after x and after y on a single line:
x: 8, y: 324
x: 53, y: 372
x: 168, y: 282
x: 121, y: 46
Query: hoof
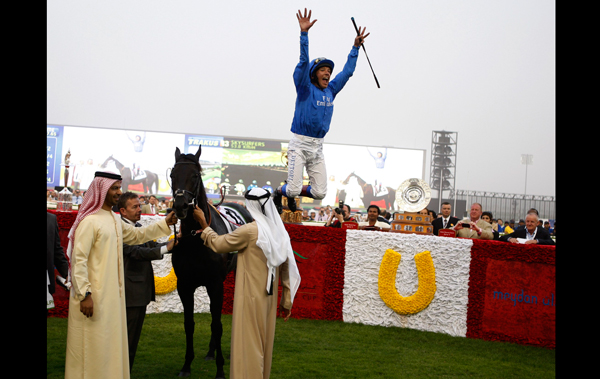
x: 209, y: 358
x: 183, y: 374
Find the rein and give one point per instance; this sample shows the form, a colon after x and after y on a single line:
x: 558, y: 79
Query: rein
x: 180, y: 192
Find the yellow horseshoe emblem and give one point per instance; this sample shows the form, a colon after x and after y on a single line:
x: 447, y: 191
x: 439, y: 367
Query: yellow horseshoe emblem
x: 166, y: 284
x: 387, y: 283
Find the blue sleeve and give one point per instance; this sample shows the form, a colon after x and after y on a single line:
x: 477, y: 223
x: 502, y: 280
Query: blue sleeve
x: 301, y: 77
x: 341, y: 79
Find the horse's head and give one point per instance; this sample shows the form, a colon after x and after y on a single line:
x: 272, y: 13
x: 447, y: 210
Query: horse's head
x: 186, y: 183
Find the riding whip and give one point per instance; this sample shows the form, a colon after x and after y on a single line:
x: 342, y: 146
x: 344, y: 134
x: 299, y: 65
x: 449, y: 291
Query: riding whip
x: 365, y: 50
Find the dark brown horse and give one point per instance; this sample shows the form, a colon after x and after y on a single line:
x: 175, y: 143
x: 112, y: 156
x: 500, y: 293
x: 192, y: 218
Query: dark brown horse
x: 195, y: 264
x: 150, y: 182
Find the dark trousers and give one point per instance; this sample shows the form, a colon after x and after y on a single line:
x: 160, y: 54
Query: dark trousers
x: 135, y: 321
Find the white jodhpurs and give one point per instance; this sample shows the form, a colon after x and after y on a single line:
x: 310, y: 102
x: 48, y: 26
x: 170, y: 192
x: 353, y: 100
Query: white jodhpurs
x: 306, y: 152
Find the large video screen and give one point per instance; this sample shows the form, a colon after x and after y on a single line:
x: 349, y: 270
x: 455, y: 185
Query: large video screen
x: 357, y: 175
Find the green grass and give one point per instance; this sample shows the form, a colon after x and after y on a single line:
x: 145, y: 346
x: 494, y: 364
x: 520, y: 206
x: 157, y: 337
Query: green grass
x: 325, y: 349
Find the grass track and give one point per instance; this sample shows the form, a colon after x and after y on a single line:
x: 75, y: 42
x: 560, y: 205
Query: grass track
x: 306, y: 349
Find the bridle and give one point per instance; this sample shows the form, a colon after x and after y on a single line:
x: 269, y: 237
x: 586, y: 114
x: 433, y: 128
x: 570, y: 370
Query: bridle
x: 181, y: 193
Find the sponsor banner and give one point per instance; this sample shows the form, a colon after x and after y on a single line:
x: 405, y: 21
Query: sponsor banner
x: 54, y: 158
x: 512, y: 293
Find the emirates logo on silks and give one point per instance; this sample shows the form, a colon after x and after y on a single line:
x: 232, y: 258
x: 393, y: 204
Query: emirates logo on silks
x: 387, y: 283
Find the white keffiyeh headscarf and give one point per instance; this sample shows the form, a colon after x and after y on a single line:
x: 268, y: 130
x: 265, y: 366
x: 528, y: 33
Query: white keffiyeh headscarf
x: 273, y: 239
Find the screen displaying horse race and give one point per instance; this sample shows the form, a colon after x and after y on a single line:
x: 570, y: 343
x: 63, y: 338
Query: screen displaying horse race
x: 359, y: 175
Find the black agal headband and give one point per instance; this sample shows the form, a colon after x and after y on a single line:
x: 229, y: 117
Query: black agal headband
x: 109, y: 175
x: 266, y: 195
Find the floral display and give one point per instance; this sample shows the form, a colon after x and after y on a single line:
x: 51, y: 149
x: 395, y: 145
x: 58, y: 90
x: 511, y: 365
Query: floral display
x: 462, y: 287
x: 166, y: 284
x: 387, y: 283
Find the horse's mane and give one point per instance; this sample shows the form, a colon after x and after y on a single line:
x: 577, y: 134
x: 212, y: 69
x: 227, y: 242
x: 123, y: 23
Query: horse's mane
x: 191, y: 158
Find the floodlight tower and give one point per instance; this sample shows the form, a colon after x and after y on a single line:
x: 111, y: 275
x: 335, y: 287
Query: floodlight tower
x: 442, y: 175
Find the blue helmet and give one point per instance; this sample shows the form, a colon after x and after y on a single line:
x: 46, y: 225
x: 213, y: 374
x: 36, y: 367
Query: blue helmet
x: 317, y: 63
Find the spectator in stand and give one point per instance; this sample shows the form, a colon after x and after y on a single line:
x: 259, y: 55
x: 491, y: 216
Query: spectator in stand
x: 53, y: 195
x: 142, y: 200
x: 321, y: 215
x: 152, y: 207
x: 305, y: 216
x: 77, y: 198
x: 509, y: 227
x: 531, y: 234
x: 384, y: 216
x: 445, y: 221
x: 500, y: 226
x: 548, y: 228
x: 359, y: 217
x: 521, y: 224
x: 432, y: 214
x: 372, y: 219
x: 487, y: 216
x: 336, y: 219
x: 554, y: 230
x: 474, y: 227
x: 162, y: 204
x: 328, y: 212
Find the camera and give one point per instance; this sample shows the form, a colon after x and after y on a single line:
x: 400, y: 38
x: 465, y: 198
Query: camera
x: 340, y: 209
x: 466, y: 225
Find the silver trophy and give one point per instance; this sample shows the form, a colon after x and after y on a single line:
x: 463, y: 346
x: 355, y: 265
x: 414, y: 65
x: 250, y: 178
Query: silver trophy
x: 413, y: 195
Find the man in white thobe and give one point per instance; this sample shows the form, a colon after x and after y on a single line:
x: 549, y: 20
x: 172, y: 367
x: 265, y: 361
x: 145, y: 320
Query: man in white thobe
x: 97, y: 325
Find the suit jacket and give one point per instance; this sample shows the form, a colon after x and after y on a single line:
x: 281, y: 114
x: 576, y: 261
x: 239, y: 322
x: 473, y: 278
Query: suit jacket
x: 486, y: 231
x: 147, y: 210
x: 55, y: 255
x: 139, y: 275
x: 438, y: 224
x: 542, y: 236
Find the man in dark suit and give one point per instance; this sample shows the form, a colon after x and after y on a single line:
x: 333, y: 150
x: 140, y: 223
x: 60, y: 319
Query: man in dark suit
x: 139, y: 275
x: 55, y: 255
x: 445, y: 220
x: 531, y: 233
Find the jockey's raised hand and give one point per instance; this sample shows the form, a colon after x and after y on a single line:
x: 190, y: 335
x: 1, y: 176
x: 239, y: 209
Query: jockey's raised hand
x: 304, y: 21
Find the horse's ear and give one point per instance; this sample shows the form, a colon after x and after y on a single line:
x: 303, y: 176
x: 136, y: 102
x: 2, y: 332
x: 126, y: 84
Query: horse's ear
x: 198, y: 152
x: 177, y: 153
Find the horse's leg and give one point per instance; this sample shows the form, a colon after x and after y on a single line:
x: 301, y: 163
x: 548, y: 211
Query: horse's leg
x: 215, y: 293
x: 187, y: 300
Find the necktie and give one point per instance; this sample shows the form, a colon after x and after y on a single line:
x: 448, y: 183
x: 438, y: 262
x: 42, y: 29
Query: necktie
x: 445, y: 223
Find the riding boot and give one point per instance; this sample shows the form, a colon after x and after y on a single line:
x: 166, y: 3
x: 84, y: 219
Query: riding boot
x: 277, y: 195
x: 292, y: 203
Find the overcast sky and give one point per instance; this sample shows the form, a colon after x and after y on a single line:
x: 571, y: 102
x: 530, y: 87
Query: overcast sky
x: 485, y: 69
